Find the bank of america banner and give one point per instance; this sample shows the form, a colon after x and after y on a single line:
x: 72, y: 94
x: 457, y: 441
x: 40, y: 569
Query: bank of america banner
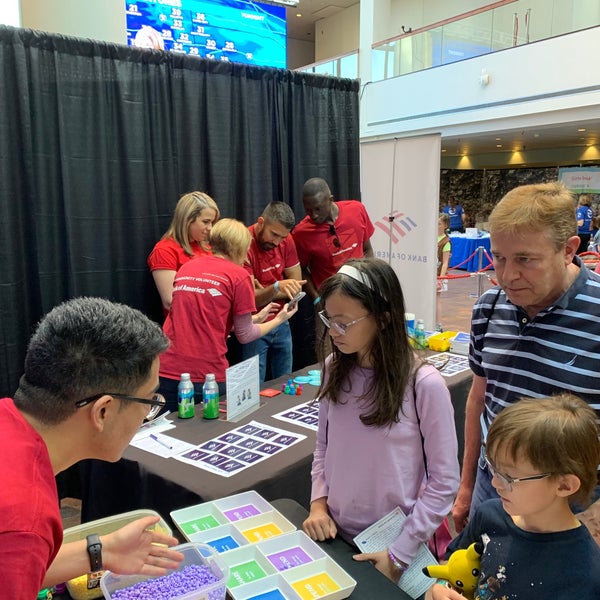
x: 580, y: 180
x: 400, y: 180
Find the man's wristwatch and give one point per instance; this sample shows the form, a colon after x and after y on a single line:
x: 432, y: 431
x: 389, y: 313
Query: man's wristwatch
x: 94, y: 548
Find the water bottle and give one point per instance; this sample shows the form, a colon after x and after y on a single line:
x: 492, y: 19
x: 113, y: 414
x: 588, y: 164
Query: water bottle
x: 210, y: 395
x: 185, y: 397
x: 420, y: 333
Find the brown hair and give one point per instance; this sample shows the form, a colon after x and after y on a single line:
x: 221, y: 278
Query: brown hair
x: 187, y: 210
x: 548, y: 208
x: 557, y: 435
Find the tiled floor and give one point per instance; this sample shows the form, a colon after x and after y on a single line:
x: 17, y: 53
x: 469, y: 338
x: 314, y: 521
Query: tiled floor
x: 456, y: 305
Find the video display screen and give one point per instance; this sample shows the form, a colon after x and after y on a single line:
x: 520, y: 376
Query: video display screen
x: 229, y: 30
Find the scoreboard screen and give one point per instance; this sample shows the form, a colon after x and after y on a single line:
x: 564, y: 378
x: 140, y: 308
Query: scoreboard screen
x: 229, y: 30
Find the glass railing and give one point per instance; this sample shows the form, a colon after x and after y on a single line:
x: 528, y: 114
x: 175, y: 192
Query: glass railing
x: 340, y: 66
x: 488, y: 30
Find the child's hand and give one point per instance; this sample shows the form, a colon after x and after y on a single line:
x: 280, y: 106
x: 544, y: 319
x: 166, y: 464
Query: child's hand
x: 441, y: 592
x: 381, y: 561
x: 319, y: 525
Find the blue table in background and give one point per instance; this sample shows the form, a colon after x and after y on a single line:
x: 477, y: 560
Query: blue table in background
x: 463, y: 247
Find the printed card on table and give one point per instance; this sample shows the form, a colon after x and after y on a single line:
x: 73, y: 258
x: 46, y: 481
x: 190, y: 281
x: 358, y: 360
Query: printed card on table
x: 305, y: 415
x: 239, y: 449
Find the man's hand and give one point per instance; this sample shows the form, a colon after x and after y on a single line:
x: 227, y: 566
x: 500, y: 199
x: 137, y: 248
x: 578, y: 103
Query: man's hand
x: 460, y: 510
x: 135, y: 550
x: 288, y: 288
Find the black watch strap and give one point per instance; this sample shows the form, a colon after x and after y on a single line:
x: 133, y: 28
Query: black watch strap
x: 94, y: 548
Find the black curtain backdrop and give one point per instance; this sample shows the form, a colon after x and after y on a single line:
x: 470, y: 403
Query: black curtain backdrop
x: 98, y: 142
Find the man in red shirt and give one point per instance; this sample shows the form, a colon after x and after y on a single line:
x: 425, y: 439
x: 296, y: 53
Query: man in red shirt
x: 330, y: 234
x: 273, y: 263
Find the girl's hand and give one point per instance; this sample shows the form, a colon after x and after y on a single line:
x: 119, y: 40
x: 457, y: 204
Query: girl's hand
x: 381, y: 561
x: 319, y: 526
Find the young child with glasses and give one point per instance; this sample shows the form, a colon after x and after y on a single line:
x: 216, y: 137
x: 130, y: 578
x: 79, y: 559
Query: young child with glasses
x: 543, y: 455
x: 386, y: 435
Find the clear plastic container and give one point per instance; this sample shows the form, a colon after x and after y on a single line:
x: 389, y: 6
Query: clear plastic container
x: 194, y: 554
x: 79, y: 587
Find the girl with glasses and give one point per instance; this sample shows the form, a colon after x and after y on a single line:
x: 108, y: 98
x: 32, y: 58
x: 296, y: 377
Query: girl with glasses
x: 386, y: 434
x: 543, y: 455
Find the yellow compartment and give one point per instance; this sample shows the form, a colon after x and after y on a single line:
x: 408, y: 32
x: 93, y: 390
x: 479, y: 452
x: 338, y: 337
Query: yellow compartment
x: 440, y: 342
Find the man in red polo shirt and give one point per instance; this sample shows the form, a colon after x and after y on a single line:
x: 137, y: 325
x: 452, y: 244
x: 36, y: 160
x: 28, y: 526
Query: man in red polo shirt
x: 273, y: 263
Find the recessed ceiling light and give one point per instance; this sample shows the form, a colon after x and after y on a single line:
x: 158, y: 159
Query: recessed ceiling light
x: 582, y: 129
x: 536, y: 135
x: 498, y: 139
x: 498, y: 145
x: 298, y: 14
x: 443, y: 149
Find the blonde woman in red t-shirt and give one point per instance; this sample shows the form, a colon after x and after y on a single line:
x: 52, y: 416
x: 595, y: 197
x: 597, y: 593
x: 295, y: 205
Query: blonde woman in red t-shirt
x: 186, y: 238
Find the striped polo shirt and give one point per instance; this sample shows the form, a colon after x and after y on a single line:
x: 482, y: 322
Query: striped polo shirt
x: 558, y: 350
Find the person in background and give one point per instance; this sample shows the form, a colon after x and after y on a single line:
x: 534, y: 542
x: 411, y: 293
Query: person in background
x: 212, y: 296
x: 585, y: 218
x: 543, y: 455
x: 330, y: 234
x: 537, y: 333
x: 273, y: 263
x: 444, y: 248
x: 90, y: 380
x: 457, y: 216
x: 386, y: 436
x: 186, y: 238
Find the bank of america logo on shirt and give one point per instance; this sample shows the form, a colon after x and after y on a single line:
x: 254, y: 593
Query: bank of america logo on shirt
x: 214, y: 292
x: 396, y: 225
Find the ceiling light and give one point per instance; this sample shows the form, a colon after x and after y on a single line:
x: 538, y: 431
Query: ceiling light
x: 581, y: 129
x: 498, y: 145
x: 298, y: 14
x: 443, y: 149
x: 498, y: 139
x: 536, y: 135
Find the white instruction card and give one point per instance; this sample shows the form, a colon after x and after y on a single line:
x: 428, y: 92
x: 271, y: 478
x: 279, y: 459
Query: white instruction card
x: 380, y: 535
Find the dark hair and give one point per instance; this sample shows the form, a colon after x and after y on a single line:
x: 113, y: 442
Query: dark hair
x: 279, y: 212
x: 392, y: 356
x: 556, y: 435
x: 316, y: 187
x: 83, y: 347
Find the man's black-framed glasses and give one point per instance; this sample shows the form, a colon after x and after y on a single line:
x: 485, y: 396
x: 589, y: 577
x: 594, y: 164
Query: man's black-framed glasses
x: 336, y: 239
x: 156, y: 402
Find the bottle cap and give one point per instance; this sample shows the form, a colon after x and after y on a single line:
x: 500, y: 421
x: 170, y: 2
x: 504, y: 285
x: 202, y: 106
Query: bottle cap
x: 185, y: 376
x: 210, y: 377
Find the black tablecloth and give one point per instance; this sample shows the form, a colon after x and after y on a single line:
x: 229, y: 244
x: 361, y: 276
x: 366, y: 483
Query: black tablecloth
x: 143, y: 480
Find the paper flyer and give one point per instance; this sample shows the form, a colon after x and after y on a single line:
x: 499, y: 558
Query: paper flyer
x: 239, y: 448
x: 380, y: 535
x: 449, y: 364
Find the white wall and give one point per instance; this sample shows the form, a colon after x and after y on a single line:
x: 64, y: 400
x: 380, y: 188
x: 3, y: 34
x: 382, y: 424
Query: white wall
x: 97, y: 19
x: 300, y: 53
x: 10, y: 13
x: 338, y: 34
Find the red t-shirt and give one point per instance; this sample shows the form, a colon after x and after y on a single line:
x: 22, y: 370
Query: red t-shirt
x: 268, y: 266
x: 31, y: 530
x: 167, y: 254
x: 316, y: 245
x: 207, y: 294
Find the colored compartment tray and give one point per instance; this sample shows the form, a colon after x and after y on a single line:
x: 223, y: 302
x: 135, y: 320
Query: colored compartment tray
x: 291, y: 550
x: 200, y: 517
x: 274, y: 587
x: 323, y: 578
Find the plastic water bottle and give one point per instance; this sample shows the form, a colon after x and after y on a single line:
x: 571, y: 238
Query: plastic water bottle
x: 420, y: 333
x: 185, y: 397
x: 210, y: 395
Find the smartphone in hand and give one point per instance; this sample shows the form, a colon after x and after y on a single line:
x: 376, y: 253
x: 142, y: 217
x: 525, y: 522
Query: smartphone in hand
x: 295, y: 300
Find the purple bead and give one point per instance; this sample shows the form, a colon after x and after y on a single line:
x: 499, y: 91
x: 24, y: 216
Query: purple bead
x: 174, y: 585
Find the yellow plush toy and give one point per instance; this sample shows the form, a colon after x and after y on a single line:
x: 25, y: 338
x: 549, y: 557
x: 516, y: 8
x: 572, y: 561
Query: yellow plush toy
x: 461, y: 570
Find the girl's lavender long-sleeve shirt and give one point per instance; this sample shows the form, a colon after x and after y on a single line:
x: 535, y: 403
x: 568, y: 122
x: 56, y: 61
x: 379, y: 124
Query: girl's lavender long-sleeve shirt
x: 366, y: 472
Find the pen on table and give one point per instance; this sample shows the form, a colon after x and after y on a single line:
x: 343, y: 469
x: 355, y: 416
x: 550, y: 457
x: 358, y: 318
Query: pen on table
x: 155, y: 438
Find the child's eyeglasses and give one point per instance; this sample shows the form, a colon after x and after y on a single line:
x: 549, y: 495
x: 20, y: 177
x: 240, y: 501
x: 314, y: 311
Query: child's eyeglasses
x: 333, y: 232
x: 156, y: 402
x: 507, y: 481
x: 341, y: 328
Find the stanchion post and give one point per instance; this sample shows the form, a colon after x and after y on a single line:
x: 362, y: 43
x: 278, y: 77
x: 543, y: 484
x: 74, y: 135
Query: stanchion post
x: 479, y: 273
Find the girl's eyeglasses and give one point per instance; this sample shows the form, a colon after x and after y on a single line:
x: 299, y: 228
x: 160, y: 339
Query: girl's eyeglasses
x: 341, y: 328
x: 156, y: 402
x: 506, y: 481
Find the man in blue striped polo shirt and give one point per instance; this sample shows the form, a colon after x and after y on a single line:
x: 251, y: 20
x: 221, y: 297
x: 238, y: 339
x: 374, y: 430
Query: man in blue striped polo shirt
x: 535, y: 335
